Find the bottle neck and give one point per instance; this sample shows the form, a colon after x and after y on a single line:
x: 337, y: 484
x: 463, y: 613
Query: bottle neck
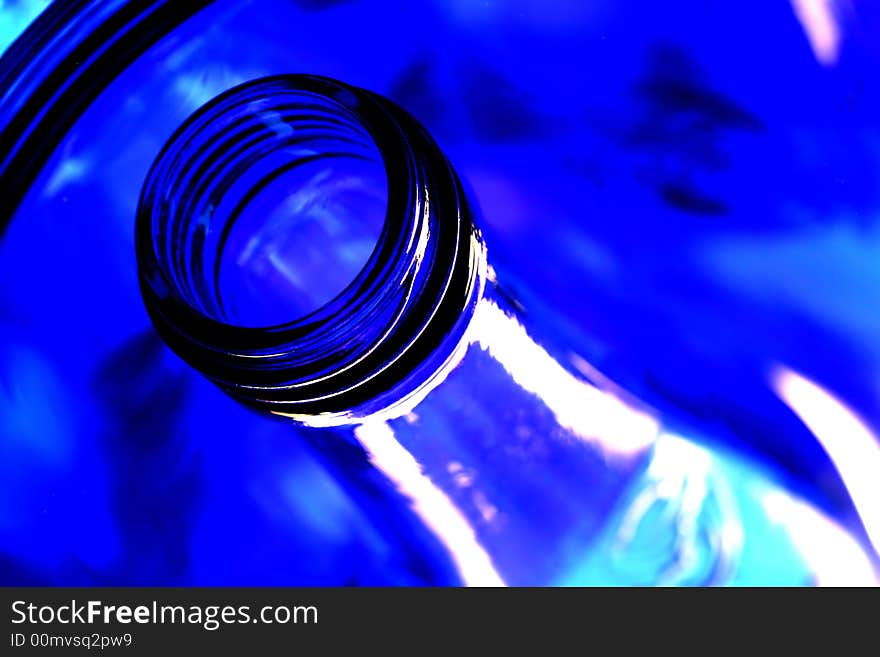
x: 534, y: 472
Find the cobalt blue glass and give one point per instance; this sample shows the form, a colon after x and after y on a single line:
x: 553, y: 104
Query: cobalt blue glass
x: 531, y: 475
x: 671, y: 216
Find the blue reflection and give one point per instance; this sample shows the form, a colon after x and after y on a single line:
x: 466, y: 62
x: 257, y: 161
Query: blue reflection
x: 681, y: 194
x: 15, y: 16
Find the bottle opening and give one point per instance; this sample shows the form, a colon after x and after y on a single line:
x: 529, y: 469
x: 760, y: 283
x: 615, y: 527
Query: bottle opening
x: 284, y: 207
x: 307, y: 246
x: 308, y: 219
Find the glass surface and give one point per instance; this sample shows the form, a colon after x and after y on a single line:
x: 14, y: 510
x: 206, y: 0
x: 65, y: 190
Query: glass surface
x: 682, y: 196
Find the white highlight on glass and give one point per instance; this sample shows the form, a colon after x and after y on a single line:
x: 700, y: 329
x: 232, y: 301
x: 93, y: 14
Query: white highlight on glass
x: 431, y: 504
x: 590, y: 413
x: 834, y: 557
x: 849, y: 443
x: 820, y: 25
x: 680, y: 479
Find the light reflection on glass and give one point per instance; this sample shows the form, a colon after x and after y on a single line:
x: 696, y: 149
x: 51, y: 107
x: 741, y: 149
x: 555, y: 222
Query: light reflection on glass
x: 851, y: 445
x: 833, y: 556
x: 15, y: 17
x: 430, y: 502
x: 820, y: 26
x: 591, y: 413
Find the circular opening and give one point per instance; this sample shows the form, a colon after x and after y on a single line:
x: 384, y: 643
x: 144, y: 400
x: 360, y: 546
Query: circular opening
x: 307, y: 246
x: 284, y: 204
x: 303, y: 235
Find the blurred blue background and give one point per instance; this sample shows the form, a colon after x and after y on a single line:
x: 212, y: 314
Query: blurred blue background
x: 685, y: 195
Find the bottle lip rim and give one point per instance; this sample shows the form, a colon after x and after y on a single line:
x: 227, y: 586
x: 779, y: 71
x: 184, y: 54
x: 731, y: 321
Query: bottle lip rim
x: 407, y: 305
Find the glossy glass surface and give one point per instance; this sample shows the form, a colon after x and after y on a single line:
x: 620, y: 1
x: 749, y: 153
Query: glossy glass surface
x: 682, y: 196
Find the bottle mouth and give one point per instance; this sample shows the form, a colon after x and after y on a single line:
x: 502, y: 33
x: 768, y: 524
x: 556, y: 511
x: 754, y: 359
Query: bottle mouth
x: 244, y: 239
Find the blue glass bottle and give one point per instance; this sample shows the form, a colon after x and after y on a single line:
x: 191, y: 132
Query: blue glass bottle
x: 708, y: 207
x: 529, y: 473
